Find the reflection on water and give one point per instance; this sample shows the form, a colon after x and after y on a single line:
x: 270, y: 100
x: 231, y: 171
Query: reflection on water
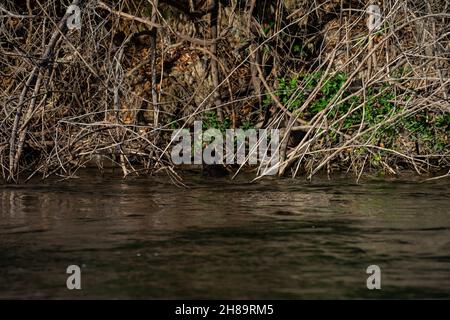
x: 146, y: 238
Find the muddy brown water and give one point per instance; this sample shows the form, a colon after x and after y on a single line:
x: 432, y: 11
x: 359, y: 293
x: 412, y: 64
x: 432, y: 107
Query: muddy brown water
x: 276, y: 238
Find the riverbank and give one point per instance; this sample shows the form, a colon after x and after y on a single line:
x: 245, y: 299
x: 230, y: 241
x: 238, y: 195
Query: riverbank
x: 347, y: 95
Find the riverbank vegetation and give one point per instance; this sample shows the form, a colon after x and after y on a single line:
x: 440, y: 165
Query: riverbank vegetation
x: 345, y: 97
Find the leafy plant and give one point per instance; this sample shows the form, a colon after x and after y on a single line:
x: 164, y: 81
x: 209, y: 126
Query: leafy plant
x: 210, y: 121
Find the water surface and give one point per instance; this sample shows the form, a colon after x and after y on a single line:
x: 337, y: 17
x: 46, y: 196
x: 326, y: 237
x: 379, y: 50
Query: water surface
x: 276, y: 238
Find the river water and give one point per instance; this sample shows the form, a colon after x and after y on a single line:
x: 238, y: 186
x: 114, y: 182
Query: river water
x: 276, y: 238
